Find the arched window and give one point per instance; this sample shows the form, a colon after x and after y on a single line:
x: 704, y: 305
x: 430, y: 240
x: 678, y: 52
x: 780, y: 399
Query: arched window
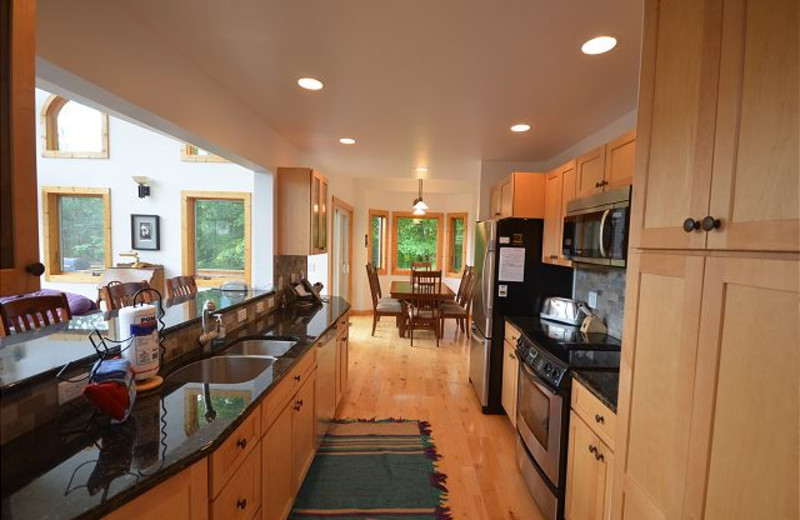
x: 72, y: 130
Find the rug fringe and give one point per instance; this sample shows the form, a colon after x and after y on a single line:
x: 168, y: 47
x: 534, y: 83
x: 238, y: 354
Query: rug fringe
x: 443, y: 513
x: 372, y: 420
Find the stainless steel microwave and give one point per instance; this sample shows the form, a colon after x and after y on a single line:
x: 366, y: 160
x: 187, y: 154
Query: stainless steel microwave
x: 596, y: 228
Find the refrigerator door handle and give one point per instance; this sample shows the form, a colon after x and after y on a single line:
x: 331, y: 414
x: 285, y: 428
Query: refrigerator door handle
x: 483, y: 280
x: 489, y: 261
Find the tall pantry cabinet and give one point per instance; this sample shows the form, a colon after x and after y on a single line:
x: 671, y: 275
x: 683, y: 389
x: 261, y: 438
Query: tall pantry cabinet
x: 709, y: 408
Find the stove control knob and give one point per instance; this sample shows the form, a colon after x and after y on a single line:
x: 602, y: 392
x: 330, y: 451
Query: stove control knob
x: 547, y: 368
x: 556, y: 373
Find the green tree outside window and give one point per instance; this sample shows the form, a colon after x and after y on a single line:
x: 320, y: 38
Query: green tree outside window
x: 417, y: 241
x: 219, y: 235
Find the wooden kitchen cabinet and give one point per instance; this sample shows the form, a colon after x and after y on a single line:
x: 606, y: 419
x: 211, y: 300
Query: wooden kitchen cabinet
x: 590, y: 172
x: 508, y: 397
x: 620, y: 155
x: 589, y: 474
x: 241, y: 497
x: 302, y: 215
x: 181, y: 497
x: 342, y: 356
x: 719, y: 119
x: 559, y: 190
x: 304, y: 430
x: 278, y: 485
x: 521, y: 194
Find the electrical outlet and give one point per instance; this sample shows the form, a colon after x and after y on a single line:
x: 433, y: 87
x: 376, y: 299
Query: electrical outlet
x: 592, y: 299
x: 68, y: 391
x: 241, y: 315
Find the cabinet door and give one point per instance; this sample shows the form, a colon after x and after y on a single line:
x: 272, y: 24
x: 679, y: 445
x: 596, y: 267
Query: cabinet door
x: 316, y: 188
x: 278, y: 483
x: 746, y: 420
x: 662, y: 309
x: 589, y: 467
x: 508, y: 397
x: 304, y: 423
x: 568, y: 186
x: 590, y: 172
x: 507, y: 198
x: 675, y: 131
x: 323, y: 216
x: 344, y: 360
x: 552, y: 218
x: 494, y: 203
x: 756, y: 178
x: 181, y: 497
x: 620, y: 155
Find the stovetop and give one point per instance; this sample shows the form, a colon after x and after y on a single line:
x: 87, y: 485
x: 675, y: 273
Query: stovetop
x: 550, y: 349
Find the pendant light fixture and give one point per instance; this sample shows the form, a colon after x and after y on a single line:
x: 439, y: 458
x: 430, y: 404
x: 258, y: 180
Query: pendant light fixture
x: 419, y: 205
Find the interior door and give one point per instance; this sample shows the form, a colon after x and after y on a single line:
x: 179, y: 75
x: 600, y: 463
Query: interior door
x: 341, y: 251
x: 20, y: 267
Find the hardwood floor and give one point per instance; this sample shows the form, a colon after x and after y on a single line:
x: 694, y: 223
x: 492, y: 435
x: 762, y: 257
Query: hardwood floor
x: 388, y: 378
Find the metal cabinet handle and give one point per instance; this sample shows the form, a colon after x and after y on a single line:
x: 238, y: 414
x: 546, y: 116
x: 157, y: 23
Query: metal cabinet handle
x: 241, y: 504
x: 297, y: 378
x: 592, y: 449
x: 241, y: 444
x: 600, y: 419
x: 599, y: 456
x: 690, y: 225
x: 710, y: 223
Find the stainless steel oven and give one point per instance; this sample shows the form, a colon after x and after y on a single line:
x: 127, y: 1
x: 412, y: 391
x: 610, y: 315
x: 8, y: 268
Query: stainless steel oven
x: 596, y: 228
x: 542, y: 425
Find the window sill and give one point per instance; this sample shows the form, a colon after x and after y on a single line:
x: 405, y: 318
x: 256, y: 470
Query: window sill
x: 56, y: 154
x: 74, y: 278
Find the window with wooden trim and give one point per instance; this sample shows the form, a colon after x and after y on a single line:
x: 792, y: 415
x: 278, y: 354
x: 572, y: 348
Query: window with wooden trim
x: 456, y: 243
x: 192, y: 153
x: 71, y: 130
x: 76, y: 227
x: 377, y: 239
x: 416, y: 239
x: 216, y: 236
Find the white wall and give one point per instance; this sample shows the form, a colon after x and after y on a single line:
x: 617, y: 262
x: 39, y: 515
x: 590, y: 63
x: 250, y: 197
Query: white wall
x: 137, y: 151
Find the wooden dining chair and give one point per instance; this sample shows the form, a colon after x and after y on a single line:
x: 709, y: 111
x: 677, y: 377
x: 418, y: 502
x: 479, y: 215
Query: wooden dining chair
x: 181, y: 286
x: 424, y: 311
x: 421, y: 266
x: 119, y: 295
x: 35, y: 312
x: 383, y: 306
x: 460, y: 308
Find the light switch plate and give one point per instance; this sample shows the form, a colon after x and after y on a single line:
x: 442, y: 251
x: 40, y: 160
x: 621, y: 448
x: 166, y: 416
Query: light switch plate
x: 241, y: 315
x: 592, y: 299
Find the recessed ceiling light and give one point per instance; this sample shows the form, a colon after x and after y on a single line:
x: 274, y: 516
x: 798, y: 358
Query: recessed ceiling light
x: 422, y: 169
x: 310, y: 83
x: 599, y: 45
x: 522, y: 127
x: 347, y: 140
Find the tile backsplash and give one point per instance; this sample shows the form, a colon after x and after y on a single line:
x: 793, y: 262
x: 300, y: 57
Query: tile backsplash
x: 609, y: 284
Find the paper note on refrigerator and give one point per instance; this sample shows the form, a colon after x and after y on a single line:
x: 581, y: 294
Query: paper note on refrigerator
x: 512, y: 264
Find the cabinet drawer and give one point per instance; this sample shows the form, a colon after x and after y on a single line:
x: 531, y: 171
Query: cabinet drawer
x: 343, y: 324
x: 511, y: 334
x: 240, y: 499
x: 278, y: 397
x: 226, y: 459
x: 601, y: 420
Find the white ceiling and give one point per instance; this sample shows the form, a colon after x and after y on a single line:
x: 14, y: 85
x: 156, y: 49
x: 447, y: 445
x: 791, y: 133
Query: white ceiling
x: 417, y: 82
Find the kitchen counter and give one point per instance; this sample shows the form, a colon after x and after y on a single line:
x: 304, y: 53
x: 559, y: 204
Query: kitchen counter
x: 603, y: 384
x: 81, y: 467
x: 30, y: 356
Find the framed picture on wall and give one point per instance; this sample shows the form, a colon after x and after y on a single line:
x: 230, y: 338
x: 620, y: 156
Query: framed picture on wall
x: 145, y: 232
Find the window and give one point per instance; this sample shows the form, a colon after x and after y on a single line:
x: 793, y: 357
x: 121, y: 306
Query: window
x: 74, y: 131
x: 76, y: 224
x: 456, y: 243
x: 377, y: 239
x: 216, y: 242
x: 416, y: 239
x: 192, y: 153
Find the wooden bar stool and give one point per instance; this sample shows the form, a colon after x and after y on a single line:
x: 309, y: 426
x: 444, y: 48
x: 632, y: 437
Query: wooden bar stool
x: 181, y: 286
x: 121, y: 295
x: 33, y: 313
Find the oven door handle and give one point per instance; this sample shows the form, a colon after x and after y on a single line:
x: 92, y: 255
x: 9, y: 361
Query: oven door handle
x: 603, y: 233
x: 536, y: 380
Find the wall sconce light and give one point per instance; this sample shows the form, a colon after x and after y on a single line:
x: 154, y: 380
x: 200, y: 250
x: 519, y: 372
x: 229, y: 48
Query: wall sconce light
x: 144, y: 185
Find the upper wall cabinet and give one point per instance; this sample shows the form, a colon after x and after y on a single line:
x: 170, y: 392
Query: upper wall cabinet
x: 607, y: 167
x: 559, y: 190
x: 302, y: 217
x: 717, y: 166
x: 521, y: 194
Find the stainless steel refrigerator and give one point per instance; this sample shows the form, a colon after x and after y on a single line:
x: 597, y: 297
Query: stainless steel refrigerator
x: 511, y: 280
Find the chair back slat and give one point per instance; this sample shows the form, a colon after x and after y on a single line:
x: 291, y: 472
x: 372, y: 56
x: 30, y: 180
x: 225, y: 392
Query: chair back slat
x: 25, y: 314
x: 421, y: 266
x: 374, y: 287
x: 181, y: 286
x: 121, y: 294
x: 426, y: 287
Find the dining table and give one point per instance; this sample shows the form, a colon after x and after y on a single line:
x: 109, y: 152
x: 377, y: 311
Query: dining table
x: 403, y: 290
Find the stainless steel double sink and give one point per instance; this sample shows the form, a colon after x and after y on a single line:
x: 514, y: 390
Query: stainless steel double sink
x: 243, y: 361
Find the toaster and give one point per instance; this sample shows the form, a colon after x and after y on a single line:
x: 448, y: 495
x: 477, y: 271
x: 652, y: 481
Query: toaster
x: 564, y: 310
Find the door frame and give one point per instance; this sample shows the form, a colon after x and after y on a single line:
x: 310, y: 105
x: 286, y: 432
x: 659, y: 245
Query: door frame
x: 341, y: 205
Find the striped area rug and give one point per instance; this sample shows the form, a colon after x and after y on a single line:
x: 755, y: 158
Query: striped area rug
x: 374, y: 469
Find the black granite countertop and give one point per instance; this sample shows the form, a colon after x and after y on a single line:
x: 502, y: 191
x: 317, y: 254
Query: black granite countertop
x: 41, y: 353
x: 604, y: 384
x: 81, y: 467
